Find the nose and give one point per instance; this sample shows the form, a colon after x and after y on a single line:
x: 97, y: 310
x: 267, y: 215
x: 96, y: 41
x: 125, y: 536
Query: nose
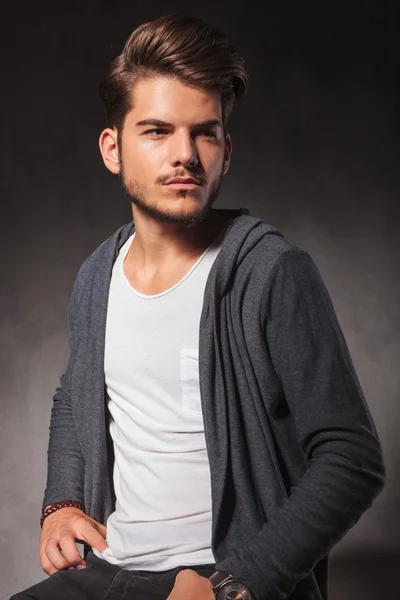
x: 183, y: 150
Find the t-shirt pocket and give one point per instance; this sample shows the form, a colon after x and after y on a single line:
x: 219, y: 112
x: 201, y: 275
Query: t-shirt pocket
x: 191, y: 399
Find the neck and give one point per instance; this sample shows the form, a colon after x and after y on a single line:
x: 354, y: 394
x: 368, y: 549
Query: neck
x: 158, y: 244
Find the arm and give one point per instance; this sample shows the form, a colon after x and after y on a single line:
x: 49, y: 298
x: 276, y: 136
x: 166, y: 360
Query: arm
x: 65, y: 460
x: 345, y: 470
x: 65, y: 474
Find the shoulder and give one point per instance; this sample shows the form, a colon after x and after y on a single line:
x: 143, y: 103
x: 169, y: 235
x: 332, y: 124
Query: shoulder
x: 99, y: 262
x: 273, y: 253
x: 289, y: 278
x: 105, y: 252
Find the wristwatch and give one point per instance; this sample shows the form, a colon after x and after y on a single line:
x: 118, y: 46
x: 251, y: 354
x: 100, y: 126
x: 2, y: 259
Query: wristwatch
x: 226, y: 587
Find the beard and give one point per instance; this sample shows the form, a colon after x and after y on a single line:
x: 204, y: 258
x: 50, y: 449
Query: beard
x: 137, y: 195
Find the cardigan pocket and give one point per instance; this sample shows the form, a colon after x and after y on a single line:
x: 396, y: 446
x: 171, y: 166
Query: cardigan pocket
x: 190, y: 383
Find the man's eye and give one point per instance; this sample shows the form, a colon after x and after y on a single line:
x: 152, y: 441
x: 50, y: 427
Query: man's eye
x: 156, y: 132
x: 159, y: 132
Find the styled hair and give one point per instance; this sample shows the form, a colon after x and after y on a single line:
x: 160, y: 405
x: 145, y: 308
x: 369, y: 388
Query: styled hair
x: 178, y: 46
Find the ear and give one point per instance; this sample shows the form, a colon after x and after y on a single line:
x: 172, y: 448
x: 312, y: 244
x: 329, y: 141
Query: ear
x: 109, y: 150
x: 228, y: 152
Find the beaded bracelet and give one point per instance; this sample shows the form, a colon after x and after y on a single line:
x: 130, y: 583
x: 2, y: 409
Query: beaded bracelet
x: 57, y: 505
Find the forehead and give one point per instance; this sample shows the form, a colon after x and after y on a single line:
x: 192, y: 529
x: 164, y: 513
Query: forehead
x: 168, y: 99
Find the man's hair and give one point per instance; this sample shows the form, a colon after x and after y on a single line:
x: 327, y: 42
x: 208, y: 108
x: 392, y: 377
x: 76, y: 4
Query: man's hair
x: 178, y: 46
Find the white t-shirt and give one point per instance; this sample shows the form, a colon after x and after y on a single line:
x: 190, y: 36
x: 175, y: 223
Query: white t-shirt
x: 161, y: 471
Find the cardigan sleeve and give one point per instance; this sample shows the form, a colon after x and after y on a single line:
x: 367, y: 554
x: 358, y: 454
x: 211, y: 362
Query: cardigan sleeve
x: 345, y: 469
x: 65, y: 464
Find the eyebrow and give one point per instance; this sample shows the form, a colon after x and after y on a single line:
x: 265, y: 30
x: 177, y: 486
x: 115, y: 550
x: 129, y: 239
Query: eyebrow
x: 158, y: 123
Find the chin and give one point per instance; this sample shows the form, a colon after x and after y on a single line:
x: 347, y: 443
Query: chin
x: 184, y: 208
x: 188, y: 219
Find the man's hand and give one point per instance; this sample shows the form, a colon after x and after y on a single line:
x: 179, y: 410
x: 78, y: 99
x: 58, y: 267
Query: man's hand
x: 60, y: 532
x: 189, y: 585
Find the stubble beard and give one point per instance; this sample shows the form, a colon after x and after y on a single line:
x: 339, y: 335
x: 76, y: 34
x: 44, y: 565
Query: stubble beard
x: 137, y: 195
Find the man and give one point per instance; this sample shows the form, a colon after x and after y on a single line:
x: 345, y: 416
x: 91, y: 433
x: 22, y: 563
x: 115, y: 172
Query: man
x: 210, y: 436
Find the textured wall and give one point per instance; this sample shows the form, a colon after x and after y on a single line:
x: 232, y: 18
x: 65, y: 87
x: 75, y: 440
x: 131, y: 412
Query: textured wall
x: 315, y: 153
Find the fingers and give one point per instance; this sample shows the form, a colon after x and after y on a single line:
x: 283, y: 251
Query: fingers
x: 55, y: 558
x: 90, y: 533
x: 69, y: 549
x: 69, y: 559
x: 59, y: 555
x: 46, y: 564
x: 100, y: 527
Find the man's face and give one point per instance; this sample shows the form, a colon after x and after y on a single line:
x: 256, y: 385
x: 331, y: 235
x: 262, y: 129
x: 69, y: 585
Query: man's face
x: 173, y: 131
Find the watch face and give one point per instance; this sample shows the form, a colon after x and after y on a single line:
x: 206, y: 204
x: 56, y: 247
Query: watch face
x: 234, y: 590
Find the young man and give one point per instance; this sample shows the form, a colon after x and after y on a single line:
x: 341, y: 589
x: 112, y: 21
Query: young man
x: 210, y: 436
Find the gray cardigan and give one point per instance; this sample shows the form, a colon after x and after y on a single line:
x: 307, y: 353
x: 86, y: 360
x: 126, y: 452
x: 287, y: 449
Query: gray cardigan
x: 294, y: 455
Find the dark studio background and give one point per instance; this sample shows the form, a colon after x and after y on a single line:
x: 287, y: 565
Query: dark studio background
x: 315, y: 153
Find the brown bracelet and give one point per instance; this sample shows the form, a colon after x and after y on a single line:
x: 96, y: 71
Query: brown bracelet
x: 57, y: 505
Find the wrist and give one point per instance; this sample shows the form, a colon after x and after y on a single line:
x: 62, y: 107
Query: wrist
x: 225, y: 586
x: 52, y: 508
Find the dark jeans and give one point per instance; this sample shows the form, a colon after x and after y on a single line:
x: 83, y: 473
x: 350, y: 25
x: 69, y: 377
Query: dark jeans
x: 103, y: 581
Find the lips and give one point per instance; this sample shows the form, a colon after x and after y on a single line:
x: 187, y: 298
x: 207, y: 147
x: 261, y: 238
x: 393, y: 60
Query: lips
x: 183, y: 180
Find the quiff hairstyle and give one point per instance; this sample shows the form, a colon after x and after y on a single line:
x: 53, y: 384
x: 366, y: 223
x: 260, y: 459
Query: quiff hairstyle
x: 182, y: 47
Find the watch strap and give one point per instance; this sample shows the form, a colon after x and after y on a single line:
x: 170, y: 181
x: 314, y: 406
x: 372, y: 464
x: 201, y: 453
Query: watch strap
x: 219, y: 577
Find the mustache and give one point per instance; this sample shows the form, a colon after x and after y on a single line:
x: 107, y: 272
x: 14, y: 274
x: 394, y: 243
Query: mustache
x: 199, y: 177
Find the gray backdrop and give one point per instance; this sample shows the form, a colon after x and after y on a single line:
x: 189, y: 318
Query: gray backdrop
x: 315, y: 153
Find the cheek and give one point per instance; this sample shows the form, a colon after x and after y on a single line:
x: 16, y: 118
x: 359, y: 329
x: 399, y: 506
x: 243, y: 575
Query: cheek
x: 216, y: 167
x: 143, y: 163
